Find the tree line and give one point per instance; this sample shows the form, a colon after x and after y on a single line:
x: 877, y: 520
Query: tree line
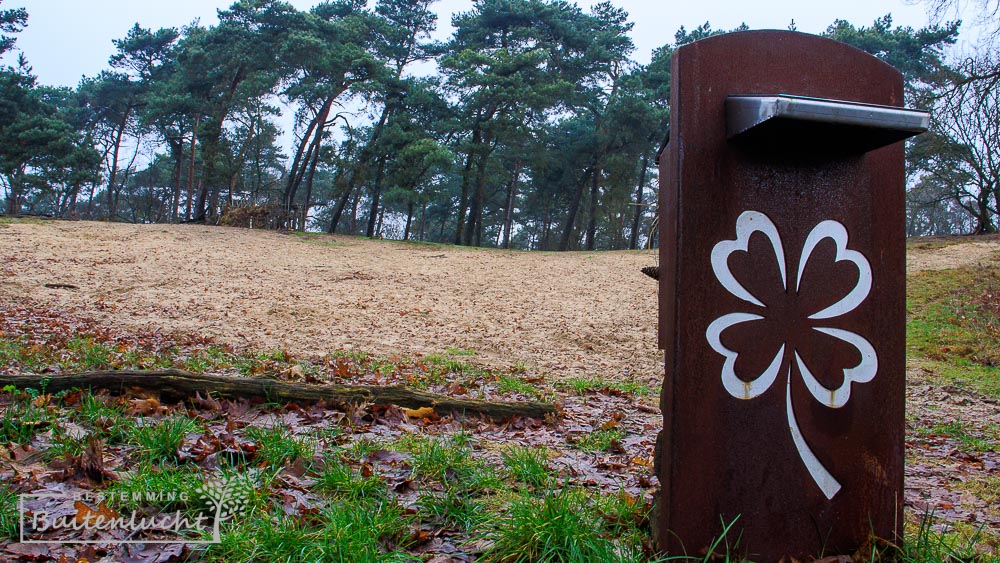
x: 531, y: 127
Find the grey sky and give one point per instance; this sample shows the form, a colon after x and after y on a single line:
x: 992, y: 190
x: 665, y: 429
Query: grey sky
x: 67, y: 39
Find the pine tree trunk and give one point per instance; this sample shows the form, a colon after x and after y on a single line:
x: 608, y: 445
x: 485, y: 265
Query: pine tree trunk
x: 633, y: 241
x: 409, y: 220
x: 112, y: 177
x: 194, y: 141
x: 463, y: 200
x: 335, y: 220
x: 177, y: 148
x: 309, y: 182
x: 376, y: 194
x: 574, y: 208
x: 511, y: 196
x: 595, y: 182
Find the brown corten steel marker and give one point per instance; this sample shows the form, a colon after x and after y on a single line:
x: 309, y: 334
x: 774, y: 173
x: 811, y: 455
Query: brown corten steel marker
x: 782, y: 273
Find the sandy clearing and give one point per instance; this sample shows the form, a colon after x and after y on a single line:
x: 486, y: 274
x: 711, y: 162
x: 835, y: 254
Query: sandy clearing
x: 943, y: 253
x: 565, y: 314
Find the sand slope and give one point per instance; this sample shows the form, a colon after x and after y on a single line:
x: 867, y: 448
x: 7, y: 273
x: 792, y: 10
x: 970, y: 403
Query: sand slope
x: 564, y: 314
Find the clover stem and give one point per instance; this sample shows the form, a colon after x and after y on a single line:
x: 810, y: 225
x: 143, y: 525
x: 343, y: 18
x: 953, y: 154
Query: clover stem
x: 820, y: 475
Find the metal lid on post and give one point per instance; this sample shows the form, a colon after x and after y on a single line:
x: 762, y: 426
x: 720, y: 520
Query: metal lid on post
x: 786, y: 122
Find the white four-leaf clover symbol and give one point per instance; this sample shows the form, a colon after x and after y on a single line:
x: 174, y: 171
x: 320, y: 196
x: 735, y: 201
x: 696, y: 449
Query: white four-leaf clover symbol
x: 748, y: 223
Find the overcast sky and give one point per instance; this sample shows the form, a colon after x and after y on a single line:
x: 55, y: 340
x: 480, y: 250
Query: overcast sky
x: 68, y: 39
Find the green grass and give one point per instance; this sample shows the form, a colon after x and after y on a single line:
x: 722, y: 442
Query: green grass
x: 445, y: 363
x: 359, y: 531
x: 953, y: 326
x: 106, y: 418
x: 987, y: 489
x: 584, y: 385
x: 341, y: 480
x: 563, y: 525
x: 968, y: 440
x: 63, y: 446
x: 6, y: 221
x: 511, y: 384
x: 463, y: 486
x: 322, y: 239
x: 460, y: 509
x: 922, y: 544
x: 934, y: 243
x: 528, y: 466
x: 9, y: 519
x: 22, y: 420
x: 599, y: 440
x: 86, y: 354
x: 360, y: 448
x: 210, y: 359
x: 277, y: 445
x: 439, y: 459
x: 163, y: 486
x: 30, y: 359
x: 158, y: 441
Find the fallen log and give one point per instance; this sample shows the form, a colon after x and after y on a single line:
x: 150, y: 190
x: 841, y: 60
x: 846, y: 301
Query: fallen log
x: 177, y: 384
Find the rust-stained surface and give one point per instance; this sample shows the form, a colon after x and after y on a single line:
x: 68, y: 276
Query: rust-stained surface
x: 781, y: 310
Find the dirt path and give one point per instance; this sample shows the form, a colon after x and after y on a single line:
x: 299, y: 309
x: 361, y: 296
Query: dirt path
x: 566, y: 314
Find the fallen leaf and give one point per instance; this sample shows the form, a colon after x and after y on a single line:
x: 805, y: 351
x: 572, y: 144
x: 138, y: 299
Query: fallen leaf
x: 85, y: 514
x: 143, y: 407
x: 422, y: 412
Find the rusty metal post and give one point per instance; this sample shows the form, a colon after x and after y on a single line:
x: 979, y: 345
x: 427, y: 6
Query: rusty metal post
x: 782, y: 275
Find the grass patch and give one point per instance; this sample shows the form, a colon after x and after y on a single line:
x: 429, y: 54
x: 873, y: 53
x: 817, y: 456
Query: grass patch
x: 22, y: 357
x: 446, y: 363
x: 955, y: 314
x: 63, y: 445
x: 339, y: 479
x: 988, y: 489
x: 459, y: 508
x: 439, y: 459
x: 960, y: 542
x: 21, y: 421
x: 9, y: 519
x: 7, y: 221
x: 600, y: 440
x: 86, y: 354
x: 937, y: 243
x: 361, y: 448
x: 277, y: 445
x: 968, y: 440
x: 212, y: 358
x: 511, y: 384
x: 965, y: 374
x: 357, y: 531
x: 584, y: 385
x: 165, y: 487
x: 322, y: 239
x: 106, y: 418
x: 528, y: 466
x: 953, y: 320
x: 466, y: 485
x: 159, y: 441
x: 564, y: 525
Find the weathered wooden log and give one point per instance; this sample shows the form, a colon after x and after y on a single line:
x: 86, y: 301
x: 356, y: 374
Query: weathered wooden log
x: 178, y: 384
